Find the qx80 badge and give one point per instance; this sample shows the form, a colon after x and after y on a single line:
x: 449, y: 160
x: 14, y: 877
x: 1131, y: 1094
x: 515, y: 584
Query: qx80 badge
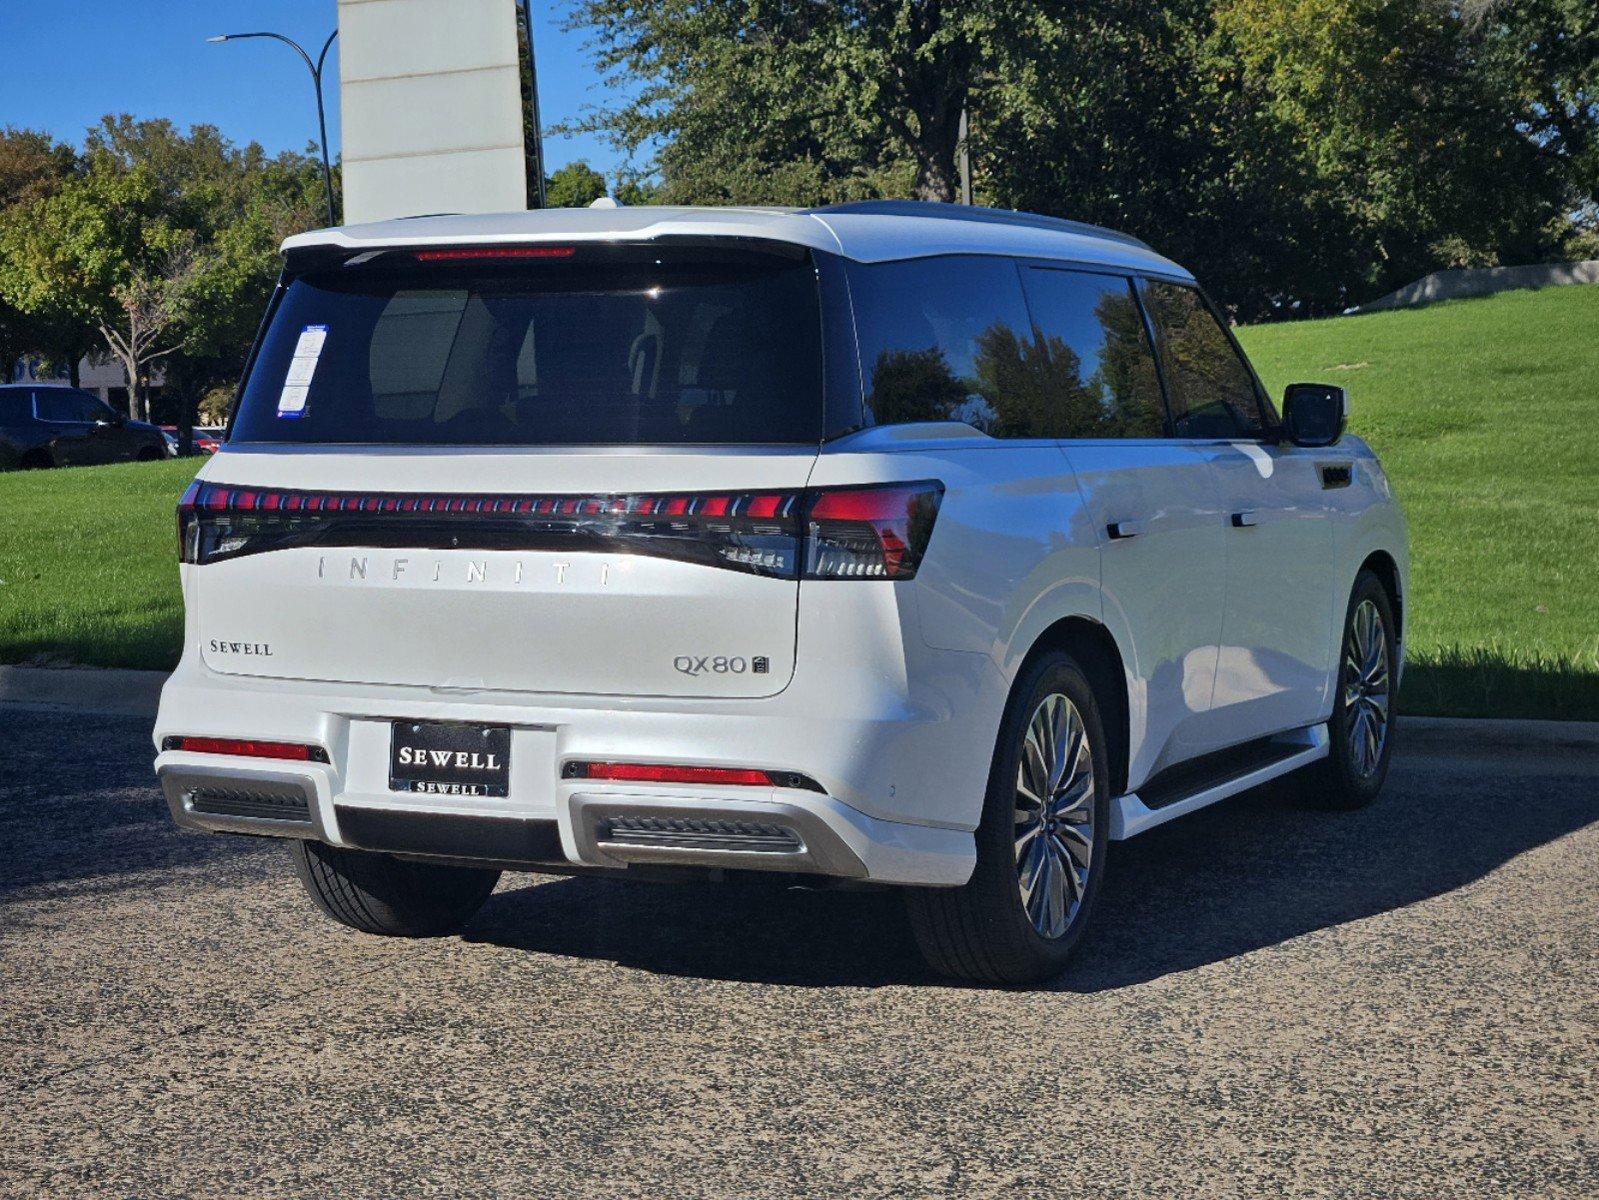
x: 705, y: 664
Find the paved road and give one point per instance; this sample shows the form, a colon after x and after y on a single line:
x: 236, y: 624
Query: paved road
x: 1401, y: 1002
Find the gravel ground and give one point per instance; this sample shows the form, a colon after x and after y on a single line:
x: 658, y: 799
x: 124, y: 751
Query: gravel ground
x: 1402, y: 1002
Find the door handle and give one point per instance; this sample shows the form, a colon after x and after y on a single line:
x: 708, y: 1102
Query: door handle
x: 1244, y: 519
x: 1120, y: 530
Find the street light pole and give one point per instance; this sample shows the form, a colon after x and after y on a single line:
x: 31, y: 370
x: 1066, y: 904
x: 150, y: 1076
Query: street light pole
x: 316, y: 78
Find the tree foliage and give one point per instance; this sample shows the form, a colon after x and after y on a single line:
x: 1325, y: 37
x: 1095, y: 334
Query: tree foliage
x: 575, y: 185
x: 1301, y: 154
x: 161, y: 244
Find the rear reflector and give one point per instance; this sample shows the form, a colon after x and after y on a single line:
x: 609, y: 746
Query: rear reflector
x: 247, y: 748
x: 672, y: 773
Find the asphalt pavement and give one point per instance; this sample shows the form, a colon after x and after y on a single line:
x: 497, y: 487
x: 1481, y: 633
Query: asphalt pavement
x: 1400, y: 1002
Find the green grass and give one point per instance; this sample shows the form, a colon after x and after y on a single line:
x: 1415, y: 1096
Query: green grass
x: 1485, y: 412
x: 1486, y: 415
x: 89, y: 560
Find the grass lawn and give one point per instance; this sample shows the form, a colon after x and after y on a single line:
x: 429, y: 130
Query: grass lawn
x: 1486, y: 415
x: 89, y: 564
x: 1485, y: 412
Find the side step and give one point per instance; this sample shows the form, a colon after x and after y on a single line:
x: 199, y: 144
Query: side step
x: 1191, y: 786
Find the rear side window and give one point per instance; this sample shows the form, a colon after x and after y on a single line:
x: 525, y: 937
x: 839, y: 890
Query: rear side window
x: 62, y: 404
x: 1211, y: 389
x: 948, y: 339
x: 15, y: 407
x: 604, y: 348
x: 1102, y: 378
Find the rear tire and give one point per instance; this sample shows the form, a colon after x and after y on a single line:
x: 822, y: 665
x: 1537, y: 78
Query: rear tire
x: 985, y: 931
x: 1361, y: 730
x: 36, y: 460
x: 376, y: 893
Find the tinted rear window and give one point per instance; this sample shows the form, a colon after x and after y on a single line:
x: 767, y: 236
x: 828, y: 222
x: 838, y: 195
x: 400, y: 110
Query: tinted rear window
x: 595, y: 350
x: 15, y: 407
x: 948, y: 339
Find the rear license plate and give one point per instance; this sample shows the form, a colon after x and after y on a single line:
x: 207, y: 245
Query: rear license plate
x: 450, y: 759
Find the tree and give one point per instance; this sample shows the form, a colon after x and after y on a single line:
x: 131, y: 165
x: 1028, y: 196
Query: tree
x: 166, y: 245
x: 100, y: 251
x: 811, y: 100
x: 1301, y: 155
x: 575, y: 185
x: 32, y: 165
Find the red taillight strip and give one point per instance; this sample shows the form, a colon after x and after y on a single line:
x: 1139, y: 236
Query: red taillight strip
x: 760, y: 506
x: 246, y: 748
x: 627, y: 772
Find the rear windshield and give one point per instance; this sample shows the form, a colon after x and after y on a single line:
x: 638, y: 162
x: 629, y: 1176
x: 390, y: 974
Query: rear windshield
x: 608, y: 348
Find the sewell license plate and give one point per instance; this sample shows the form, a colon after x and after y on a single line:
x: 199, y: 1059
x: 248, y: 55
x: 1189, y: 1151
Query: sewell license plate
x: 449, y: 759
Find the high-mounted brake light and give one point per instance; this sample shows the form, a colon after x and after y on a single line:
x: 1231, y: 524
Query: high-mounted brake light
x: 247, y: 748
x: 627, y: 772
x: 491, y: 252
x: 876, y: 532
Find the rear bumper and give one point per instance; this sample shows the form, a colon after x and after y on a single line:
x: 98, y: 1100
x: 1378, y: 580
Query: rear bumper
x: 778, y: 830
x: 887, y: 813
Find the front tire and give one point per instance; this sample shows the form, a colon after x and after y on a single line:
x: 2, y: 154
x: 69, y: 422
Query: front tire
x: 1041, y: 842
x: 1361, y: 730
x: 377, y: 893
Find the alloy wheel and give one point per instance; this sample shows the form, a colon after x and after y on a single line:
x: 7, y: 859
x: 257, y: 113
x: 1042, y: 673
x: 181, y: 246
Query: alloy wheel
x: 1366, y: 688
x: 1054, y: 815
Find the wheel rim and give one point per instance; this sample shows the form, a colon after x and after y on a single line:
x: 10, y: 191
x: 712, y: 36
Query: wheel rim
x: 1054, y: 815
x: 1366, y: 689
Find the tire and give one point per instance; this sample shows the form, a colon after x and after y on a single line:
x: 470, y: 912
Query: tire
x: 1352, y: 774
x: 37, y: 460
x: 149, y: 454
x: 983, y: 931
x: 376, y: 893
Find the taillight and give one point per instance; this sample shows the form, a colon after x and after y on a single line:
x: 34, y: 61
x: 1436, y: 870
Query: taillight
x: 247, y: 748
x: 878, y: 532
x: 870, y: 532
x: 186, y: 521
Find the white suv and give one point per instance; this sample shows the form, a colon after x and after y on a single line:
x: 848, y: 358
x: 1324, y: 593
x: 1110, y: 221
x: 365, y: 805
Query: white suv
x: 884, y: 543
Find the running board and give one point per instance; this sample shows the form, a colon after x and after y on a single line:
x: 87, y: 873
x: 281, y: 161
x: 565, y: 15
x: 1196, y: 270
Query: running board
x: 1130, y: 816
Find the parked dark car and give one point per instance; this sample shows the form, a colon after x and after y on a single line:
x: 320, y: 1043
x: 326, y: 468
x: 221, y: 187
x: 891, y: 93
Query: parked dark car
x: 53, y: 426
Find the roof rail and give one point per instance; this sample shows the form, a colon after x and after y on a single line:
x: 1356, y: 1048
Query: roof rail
x: 967, y: 212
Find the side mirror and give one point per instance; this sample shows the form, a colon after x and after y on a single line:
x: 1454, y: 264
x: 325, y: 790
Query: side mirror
x: 1314, y: 413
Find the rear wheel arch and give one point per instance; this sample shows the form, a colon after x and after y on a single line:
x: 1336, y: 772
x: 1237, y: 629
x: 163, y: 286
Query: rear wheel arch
x: 1095, y: 650
x: 1381, y: 564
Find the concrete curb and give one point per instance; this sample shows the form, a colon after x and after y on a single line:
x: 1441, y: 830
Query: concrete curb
x: 83, y: 689
x: 136, y: 693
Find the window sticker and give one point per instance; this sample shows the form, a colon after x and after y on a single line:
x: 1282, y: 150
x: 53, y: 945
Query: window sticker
x: 302, y: 367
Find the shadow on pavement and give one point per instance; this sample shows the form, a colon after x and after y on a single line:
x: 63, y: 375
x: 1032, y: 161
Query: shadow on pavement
x: 79, y: 812
x: 1249, y: 873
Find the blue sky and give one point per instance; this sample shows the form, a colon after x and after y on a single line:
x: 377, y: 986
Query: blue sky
x: 65, y: 62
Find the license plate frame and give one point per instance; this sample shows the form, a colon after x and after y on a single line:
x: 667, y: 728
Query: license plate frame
x: 450, y: 758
